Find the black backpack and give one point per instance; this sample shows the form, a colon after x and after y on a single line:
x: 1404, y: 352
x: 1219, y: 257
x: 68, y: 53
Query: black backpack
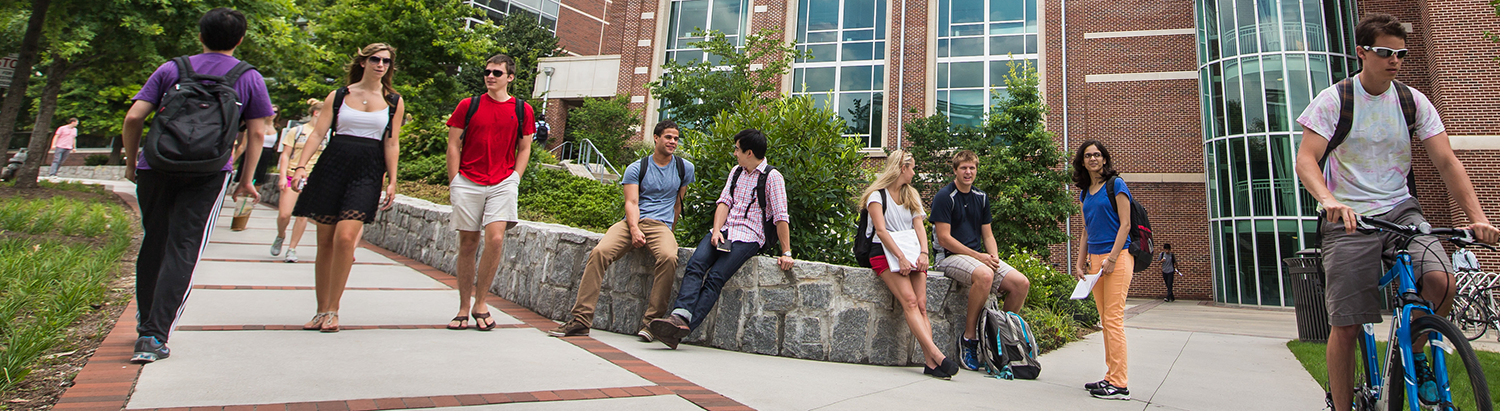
x: 863, y: 243
x: 1007, y: 348
x: 768, y: 226
x: 391, y: 101
x: 197, y: 123
x: 520, y: 118
x: 1140, y: 229
x: 641, y: 177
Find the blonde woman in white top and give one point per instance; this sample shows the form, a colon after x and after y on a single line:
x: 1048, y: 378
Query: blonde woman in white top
x: 898, y: 217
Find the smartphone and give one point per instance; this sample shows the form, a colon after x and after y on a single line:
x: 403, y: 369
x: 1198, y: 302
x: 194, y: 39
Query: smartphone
x: 724, y: 245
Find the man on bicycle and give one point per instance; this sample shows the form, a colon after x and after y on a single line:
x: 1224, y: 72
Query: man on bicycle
x: 1367, y: 175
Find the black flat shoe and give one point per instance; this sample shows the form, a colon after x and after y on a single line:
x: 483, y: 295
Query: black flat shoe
x: 936, y: 372
x: 948, y: 367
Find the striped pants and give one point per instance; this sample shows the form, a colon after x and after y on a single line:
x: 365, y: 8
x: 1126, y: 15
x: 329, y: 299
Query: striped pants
x: 177, y: 216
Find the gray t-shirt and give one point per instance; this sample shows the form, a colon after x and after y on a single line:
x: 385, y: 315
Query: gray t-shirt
x: 659, y: 192
x: 1168, y: 263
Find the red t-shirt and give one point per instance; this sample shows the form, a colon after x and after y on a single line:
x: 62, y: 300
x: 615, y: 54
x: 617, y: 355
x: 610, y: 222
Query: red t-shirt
x: 489, y: 149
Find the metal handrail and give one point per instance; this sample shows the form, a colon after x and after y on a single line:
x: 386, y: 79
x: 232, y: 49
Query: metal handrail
x: 586, y: 154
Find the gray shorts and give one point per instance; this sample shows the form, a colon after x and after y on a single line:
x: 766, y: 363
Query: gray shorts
x: 1353, y: 276
x: 961, y: 268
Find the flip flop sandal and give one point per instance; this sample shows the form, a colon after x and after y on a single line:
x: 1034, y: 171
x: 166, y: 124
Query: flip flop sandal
x: 463, y: 322
x: 479, y: 322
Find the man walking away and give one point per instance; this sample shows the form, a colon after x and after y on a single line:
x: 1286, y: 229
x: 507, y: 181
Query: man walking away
x: 1168, y: 270
x: 64, y: 141
x: 178, y: 191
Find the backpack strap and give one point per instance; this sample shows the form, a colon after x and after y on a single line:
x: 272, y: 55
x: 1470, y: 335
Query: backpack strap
x: 760, y: 192
x: 338, y: 103
x: 734, y: 183
x: 520, y: 119
x: 1345, y: 88
x: 391, y: 101
x: 640, y: 175
x: 1409, y: 111
x: 681, y: 171
x: 233, y: 76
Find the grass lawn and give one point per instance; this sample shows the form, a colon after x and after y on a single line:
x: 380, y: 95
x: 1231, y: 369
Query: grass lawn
x: 1312, y: 356
x: 60, y: 249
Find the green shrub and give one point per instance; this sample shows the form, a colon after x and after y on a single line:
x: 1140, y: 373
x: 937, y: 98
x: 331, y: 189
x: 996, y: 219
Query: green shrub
x: 608, y: 123
x: 571, y: 200
x: 96, y: 160
x: 427, y: 169
x: 807, y: 144
x: 1050, y: 290
x: 1050, y: 329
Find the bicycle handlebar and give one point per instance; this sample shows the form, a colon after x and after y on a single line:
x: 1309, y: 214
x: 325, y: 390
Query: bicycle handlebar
x: 1461, y: 237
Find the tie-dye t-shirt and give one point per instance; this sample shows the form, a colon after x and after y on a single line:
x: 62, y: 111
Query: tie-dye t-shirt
x: 1368, y: 171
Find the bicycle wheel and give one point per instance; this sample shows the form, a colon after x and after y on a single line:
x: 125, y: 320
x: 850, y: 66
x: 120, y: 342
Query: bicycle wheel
x: 1470, y: 317
x: 1466, y: 379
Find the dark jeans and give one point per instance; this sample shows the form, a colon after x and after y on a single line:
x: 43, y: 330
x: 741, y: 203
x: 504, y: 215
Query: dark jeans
x: 177, y: 214
x: 1169, y: 278
x: 706, y: 274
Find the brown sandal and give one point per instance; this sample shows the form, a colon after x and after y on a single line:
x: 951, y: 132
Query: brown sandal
x: 462, y: 320
x: 479, y: 321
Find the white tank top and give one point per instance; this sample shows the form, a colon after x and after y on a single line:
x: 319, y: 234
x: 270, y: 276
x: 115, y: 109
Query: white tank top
x: 362, y: 124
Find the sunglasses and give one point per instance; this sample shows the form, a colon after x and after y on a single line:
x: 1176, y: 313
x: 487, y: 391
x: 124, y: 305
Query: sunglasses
x: 381, y: 60
x: 496, y: 73
x: 1385, y: 52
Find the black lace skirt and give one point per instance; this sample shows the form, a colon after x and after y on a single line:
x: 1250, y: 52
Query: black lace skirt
x: 346, y: 185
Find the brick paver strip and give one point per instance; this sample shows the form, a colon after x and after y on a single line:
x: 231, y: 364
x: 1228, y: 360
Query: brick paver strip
x: 309, y: 261
x: 614, y: 356
x: 341, y: 327
x: 108, y: 377
x: 301, y: 288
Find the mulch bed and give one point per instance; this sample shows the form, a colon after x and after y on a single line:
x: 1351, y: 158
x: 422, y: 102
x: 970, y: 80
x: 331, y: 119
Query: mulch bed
x: 53, y: 373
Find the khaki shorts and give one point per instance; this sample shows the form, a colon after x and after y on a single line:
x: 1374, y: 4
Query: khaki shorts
x: 961, y: 268
x: 1353, y: 275
x: 476, y: 206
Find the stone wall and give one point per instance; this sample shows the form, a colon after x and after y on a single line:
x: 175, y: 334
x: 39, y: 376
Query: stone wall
x: 815, y: 311
x: 89, y: 172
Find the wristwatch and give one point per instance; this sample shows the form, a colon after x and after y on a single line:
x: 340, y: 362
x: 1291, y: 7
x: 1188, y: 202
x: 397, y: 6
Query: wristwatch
x: 786, y: 253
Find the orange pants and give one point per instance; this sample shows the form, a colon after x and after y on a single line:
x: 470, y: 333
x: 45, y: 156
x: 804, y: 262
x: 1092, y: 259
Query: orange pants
x: 1109, y: 298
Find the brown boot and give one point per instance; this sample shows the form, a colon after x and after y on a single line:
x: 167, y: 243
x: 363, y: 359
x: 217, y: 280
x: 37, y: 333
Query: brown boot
x: 570, y: 329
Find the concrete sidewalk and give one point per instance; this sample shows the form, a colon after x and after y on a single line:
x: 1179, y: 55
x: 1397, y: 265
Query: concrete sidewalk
x: 239, y: 343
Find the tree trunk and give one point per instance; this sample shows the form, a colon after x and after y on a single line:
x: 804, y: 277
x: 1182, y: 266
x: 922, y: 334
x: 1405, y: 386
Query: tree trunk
x: 16, y: 97
x: 40, y: 141
x: 116, y: 151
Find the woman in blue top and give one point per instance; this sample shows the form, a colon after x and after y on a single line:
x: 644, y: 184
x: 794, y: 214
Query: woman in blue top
x: 1101, y: 252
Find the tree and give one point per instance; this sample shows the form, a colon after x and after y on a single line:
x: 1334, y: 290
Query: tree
x: 694, y: 93
x: 608, y: 123
x: 16, y: 96
x: 1020, y: 165
x: 523, y: 39
x: 807, y: 145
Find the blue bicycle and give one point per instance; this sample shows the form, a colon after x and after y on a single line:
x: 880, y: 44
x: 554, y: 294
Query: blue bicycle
x: 1374, y: 388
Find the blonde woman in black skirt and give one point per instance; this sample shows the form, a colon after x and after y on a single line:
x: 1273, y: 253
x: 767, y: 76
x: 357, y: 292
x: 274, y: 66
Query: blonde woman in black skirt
x: 342, y: 196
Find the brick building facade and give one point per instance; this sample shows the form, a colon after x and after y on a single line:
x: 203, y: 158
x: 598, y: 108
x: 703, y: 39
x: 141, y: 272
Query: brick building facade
x: 1138, y: 75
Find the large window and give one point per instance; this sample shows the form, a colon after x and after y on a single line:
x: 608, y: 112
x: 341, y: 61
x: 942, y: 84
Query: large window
x: 727, y: 16
x: 846, y: 72
x: 977, y: 41
x: 544, y: 11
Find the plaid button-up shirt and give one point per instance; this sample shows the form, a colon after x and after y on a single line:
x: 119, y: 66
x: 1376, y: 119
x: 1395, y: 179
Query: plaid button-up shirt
x: 745, y: 216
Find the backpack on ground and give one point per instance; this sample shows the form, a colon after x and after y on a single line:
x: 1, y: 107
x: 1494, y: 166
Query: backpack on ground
x: 195, y: 127
x: 1140, y: 230
x: 768, y: 225
x: 1007, y: 348
x: 863, y: 243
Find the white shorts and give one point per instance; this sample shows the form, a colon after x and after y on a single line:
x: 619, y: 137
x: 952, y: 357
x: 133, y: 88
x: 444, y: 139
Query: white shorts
x: 476, y: 206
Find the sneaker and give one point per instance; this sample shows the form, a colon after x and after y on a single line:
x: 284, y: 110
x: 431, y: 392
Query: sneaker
x: 149, y: 350
x: 291, y: 255
x: 1427, y: 389
x: 645, y: 334
x: 1095, y: 385
x: 570, y: 329
x: 1109, y: 391
x: 969, y: 352
x: 669, y: 330
x: 276, y: 247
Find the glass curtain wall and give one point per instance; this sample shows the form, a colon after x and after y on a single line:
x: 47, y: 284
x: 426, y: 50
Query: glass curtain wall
x: 727, y: 16
x: 977, y: 41
x: 846, y: 72
x: 1260, y: 64
x: 544, y: 11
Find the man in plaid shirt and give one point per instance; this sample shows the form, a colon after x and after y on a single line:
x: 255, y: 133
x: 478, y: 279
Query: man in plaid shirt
x: 737, y: 235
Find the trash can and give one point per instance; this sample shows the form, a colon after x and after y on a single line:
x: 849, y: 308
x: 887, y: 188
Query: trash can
x: 1305, y: 273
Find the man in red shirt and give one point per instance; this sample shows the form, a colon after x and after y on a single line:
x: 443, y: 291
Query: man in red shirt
x: 487, y: 152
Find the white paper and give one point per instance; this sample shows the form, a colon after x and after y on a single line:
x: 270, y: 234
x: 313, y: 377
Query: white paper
x: 1081, y: 291
x: 907, y: 240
